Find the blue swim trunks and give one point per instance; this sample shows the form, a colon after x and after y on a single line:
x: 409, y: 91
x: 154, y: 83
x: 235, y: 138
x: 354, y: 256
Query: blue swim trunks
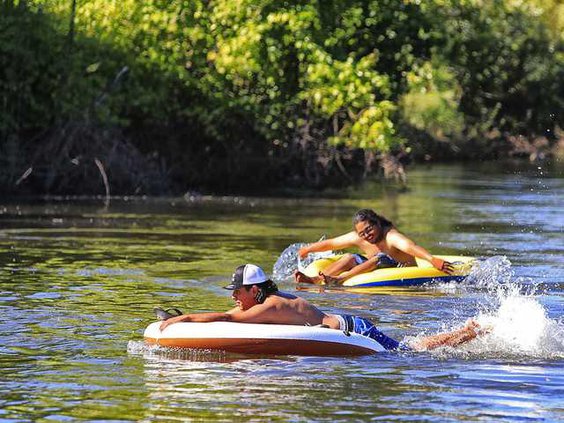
x: 366, y: 328
x: 359, y: 258
x: 383, y: 260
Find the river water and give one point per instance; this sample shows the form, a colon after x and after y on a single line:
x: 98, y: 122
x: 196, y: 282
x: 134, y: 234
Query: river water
x: 78, y: 283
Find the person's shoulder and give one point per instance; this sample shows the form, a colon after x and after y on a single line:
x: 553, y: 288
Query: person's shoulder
x: 280, y: 300
x: 392, y: 231
x: 281, y: 296
x: 393, y: 235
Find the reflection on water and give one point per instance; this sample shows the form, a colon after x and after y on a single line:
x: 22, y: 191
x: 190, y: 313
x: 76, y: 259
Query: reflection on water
x: 386, y: 385
x: 78, y: 283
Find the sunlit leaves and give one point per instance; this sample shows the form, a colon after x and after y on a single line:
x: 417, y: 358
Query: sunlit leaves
x: 275, y: 66
x: 432, y: 100
x: 501, y: 55
x: 331, y: 85
x: 371, y: 129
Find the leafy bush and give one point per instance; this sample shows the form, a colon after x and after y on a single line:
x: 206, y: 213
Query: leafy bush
x: 308, y: 91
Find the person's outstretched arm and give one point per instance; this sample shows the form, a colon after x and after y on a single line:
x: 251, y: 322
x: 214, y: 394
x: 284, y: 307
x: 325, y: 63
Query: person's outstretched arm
x: 347, y: 240
x: 197, y: 318
x: 403, y: 243
x: 260, y: 313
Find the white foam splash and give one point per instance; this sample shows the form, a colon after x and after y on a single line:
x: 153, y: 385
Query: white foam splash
x: 490, y: 273
x: 519, y: 324
x: 289, y: 261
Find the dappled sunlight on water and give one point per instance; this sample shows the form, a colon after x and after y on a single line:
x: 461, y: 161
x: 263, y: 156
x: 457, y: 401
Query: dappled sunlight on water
x: 78, y: 284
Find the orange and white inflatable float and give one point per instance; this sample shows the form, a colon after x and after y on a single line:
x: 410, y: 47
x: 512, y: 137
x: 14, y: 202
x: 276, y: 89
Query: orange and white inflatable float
x: 264, y: 339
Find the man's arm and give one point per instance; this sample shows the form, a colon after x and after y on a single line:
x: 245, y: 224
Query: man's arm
x: 347, y: 240
x: 403, y: 243
x: 367, y: 266
x: 197, y: 318
x: 260, y: 313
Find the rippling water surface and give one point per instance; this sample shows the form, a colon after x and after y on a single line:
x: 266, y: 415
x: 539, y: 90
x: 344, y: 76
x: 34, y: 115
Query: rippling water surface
x: 78, y: 282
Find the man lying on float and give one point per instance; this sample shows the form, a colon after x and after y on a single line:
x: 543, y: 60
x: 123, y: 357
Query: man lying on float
x: 259, y: 301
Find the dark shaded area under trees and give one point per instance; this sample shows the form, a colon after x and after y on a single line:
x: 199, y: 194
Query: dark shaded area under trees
x: 216, y: 96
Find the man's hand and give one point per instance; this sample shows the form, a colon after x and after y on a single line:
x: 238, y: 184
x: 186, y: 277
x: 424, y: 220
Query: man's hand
x: 442, y: 265
x: 172, y: 320
x: 303, y: 252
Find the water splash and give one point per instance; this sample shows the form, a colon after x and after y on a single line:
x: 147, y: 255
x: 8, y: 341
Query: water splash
x: 289, y: 261
x: 494, y: 275
x: 519, y: 325
x: 491, y: 272
x: 520, y: 328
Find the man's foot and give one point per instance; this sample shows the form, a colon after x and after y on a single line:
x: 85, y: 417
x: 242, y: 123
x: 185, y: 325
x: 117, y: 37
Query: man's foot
x: 166, y: 314
x: 300, y: 277
x: 473, y: 325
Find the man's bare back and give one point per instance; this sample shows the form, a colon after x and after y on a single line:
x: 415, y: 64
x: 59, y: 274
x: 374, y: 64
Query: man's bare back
x: 285, y: 308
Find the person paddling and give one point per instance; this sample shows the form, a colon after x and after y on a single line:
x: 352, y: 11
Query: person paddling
x: 258, y: 300
x: 383, y: 246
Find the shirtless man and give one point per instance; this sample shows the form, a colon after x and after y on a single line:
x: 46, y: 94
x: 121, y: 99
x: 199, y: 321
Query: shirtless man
x: 259, y: 301
x: 381, y: 242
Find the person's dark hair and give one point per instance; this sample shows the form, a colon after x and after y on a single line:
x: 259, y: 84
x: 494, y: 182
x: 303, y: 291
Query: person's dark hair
x: 370, y: 216
x: 266, y: 288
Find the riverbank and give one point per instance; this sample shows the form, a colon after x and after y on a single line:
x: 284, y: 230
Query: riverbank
x: 125, y: 171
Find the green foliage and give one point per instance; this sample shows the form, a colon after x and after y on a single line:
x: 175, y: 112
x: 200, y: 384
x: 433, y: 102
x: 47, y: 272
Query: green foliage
x: 431, y: 101
x: 27, y: 75
x: 28, y: 83
x: 214, y: 85
x: 273, y: 68
x: 507, y: 62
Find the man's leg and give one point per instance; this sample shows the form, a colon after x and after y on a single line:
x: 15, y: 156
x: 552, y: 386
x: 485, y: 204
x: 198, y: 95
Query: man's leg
x: 451, y: 339
x: 366, y: 328
x: 347, y: 262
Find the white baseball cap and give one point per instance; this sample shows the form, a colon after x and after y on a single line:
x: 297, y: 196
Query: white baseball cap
x: 247, y: 274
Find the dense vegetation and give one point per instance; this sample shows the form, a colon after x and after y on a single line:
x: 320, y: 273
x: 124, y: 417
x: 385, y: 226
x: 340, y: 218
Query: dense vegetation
x: 158, y: 96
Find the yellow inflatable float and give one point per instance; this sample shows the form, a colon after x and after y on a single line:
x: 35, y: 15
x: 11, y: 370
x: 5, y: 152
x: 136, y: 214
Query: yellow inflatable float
x: 423, y: 273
